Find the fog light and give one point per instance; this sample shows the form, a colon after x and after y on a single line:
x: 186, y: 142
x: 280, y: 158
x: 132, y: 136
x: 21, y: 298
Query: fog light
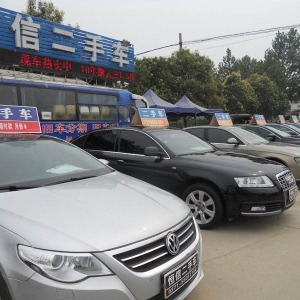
x: 258, y: 208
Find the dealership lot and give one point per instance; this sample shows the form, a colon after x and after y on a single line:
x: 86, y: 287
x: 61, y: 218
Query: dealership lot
x: 252, y: 258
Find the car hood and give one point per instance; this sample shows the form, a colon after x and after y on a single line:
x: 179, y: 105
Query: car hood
x: 90, y: 215
x: 282, y: 148
x: 241, y: 164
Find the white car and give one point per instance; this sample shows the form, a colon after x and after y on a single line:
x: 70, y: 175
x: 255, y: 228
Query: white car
x: 73, y: 228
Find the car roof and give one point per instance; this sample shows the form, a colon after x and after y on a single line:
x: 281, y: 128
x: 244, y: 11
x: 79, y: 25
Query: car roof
x: 5, y: 137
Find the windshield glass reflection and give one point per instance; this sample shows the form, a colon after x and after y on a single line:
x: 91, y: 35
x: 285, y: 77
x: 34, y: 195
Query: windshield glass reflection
x: 182, y: 143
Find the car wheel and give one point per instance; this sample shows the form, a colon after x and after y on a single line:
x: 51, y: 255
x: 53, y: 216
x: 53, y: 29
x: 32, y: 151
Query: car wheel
x: 205, y: 203
x: 4, y: 292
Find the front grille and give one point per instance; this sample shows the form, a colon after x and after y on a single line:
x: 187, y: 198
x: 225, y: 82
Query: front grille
x: 150, y: 256
x: 286, y: 179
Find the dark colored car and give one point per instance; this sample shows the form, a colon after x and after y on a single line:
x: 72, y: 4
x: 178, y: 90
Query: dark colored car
x: 211, y: 182
x: 273, y: 133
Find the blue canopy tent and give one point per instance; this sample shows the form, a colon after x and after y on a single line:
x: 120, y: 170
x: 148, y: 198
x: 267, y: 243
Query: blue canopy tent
x: 186, y: 103
x: 156, y: 102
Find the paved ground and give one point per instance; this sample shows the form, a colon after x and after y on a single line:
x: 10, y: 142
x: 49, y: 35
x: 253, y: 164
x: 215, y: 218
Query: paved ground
x: 252, y: 258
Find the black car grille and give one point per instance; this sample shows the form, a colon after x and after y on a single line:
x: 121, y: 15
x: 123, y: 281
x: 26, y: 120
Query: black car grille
x: 150, y: 256
x: 286, y: 179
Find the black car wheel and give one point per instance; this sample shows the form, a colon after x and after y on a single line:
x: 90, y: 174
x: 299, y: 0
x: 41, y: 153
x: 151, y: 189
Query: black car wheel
x: 4, y: 292
x: 205, y: 204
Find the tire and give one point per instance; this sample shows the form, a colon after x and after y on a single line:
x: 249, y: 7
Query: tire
x: 4, y: 292
x: 205, y: 204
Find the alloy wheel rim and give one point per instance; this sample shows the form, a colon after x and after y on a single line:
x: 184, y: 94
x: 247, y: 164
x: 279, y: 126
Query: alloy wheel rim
x: 202, y: 206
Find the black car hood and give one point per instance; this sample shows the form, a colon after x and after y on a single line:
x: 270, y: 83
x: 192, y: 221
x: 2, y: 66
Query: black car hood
x: 241, y: 164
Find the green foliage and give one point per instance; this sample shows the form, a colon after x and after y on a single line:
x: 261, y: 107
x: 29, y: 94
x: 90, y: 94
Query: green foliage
x: 226, y: 67
x: 45, y: 10
x: 282, y: 63
x: 271, y: 100
x: 184, y: 73
x: 239, y: 94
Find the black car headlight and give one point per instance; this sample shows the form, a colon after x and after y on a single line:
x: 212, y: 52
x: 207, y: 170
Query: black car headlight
x: 254, y: 181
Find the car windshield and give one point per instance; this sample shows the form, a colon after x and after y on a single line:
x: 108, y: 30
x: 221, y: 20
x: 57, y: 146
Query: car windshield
x: 249, y: 137
x: 182, y: 143
x: 295, y: 127
x: 42, y: 161
x: 279, y: 130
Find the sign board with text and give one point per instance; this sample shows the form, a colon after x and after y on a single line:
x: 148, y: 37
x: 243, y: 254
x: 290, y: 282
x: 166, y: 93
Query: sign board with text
x: 153, y: 117
x: 258, y: 120
x: 280, y: 119
x: 221, y: 119
x: 293, y: 119
x: 41, y: 45
x: 19, y: 119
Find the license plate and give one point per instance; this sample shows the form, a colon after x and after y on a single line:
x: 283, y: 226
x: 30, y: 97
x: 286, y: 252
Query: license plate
x: 292, y: 195
x: 179, y: 276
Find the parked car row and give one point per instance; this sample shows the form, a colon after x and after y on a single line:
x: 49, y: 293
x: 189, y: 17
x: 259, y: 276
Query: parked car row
x: 72, y: 226
x: 213, y: 183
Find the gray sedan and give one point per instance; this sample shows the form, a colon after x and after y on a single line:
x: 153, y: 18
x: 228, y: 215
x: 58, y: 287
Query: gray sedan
x: 73, y: 228
x: 231, y: 138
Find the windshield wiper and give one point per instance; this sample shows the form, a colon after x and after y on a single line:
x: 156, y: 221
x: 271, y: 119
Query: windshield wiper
x: 12, y: 188
x: 196, y: 153
x: 72, y: 179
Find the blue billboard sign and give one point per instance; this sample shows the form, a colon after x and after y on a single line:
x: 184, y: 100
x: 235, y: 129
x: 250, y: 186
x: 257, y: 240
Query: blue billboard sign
x: 35, y: 43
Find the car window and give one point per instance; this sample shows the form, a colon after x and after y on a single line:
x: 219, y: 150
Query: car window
x: 260, y: 131
x: 101, y: 140
x: 181, y: 142
x: 216, y: 135
x: 135, y: 142
x: 31, y: 161
x: 248, y: 136
x: 199, y: 132
x: 280, y: 129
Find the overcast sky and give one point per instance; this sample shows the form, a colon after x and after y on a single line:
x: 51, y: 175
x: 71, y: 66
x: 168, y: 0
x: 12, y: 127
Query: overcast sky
x: 149, y: 24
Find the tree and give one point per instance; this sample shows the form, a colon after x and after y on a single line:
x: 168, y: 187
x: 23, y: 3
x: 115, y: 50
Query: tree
x: 246, y: 66
x: 239, y: 95
x: 45, y: 10
x: 282, y: 63
x: 184, y: 73
x: 271, y: 100
x: 225, y: 68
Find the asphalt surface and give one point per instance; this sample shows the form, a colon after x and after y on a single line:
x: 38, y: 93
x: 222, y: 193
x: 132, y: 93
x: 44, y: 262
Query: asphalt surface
x: 252, y: 258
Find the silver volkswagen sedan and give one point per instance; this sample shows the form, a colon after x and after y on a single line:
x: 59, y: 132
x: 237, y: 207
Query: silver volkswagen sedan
x: 73, y: 228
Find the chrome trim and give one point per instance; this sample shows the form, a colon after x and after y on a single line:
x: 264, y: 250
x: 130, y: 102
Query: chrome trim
x: 187, y: 238
x: 272, y: 213
x: 143, y: 253
x: 149, y: 260
x: 186, y: 230
x: 282, y: 174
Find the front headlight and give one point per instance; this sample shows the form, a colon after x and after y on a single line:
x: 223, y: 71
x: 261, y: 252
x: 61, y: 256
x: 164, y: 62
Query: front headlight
x: 297, y: 159
x: 255, y: 181
x: 60, y: 266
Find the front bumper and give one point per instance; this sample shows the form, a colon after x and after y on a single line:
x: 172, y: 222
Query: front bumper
x: 125, y: 284
x: 258, y: 201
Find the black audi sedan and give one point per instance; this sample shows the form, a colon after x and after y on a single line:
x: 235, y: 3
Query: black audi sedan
x: 213, y: 183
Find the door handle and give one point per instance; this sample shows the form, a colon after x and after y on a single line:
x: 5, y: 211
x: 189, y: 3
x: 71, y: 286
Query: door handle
x: 120, y: 161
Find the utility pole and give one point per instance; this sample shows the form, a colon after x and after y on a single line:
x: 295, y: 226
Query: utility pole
x: 180, y: 41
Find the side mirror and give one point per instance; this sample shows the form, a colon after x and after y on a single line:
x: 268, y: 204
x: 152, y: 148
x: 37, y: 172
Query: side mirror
x: 232, y: 141
x: 272, y: 137
x: 152, y: 151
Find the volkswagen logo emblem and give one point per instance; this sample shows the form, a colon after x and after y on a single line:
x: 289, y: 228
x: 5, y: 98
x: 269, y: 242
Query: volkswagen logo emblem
x: 172, y: 243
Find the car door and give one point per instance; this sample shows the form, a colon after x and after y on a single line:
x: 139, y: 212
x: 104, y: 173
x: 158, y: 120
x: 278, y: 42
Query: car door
x: 131, y: 160
x: 219, y: 138
x: 263, y: 132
